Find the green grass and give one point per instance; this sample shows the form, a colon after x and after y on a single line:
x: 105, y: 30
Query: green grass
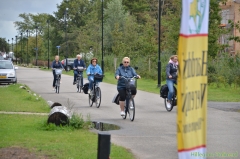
x: 221, y: 93
x: 19, y: 100
x: 28, y: 131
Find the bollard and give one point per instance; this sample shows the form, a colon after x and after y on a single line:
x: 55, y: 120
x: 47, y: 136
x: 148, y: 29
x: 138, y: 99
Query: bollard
x: 104, y: 145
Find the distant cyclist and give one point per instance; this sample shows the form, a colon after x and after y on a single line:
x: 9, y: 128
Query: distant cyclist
x: 172, y: 73
x: 78, y: 63
x: 93, y: 69
x: 127, y: 71
x: 57, y: 65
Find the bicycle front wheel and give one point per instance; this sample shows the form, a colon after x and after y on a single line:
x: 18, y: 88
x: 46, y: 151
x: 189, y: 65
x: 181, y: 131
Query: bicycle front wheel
x: 168, y: 108
x: 131, y: 109
x: 98, y: 97
x: 78, y: 85
x: 57, y: 85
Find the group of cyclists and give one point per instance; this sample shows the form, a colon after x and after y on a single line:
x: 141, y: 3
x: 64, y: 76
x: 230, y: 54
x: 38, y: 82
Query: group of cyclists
x: 124, y: 70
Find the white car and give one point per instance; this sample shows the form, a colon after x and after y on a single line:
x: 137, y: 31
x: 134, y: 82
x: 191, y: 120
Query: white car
x: 7, y: 72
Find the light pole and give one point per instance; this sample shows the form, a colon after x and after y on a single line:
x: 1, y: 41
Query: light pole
x: 12, y: 44
x: 27, y: 47
x: 8, y: 47
x: 16, y: 48
x: 36, y: 46
x: 21, y: 49
x: 102, y: 40
x: 58, y: 47
x: 48, y: 43
x: 65, y: 22
x: 159, y: 38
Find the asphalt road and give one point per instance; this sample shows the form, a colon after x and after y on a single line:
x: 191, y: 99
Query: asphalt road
x: 152, y: 135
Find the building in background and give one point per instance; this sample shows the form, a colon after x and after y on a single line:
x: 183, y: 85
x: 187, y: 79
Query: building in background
x: 230, y: 11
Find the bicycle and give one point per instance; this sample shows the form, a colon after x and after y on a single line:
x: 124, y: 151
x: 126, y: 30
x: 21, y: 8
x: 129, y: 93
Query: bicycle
x: 58, y: 73
x: 130, y: 84
x: 79, y: 79
x: 164, y: 94
x: 95, y: 94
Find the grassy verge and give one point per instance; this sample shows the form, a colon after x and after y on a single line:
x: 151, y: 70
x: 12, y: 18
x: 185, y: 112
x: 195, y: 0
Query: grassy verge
x: 219, y: 93
x: 33, y: 133
x: 20, y: 100
x: 28, y: 131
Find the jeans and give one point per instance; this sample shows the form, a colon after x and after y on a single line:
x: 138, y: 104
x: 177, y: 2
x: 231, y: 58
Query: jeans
x: 91, y: 80
x: 170, y: 83
x: 75, y: 76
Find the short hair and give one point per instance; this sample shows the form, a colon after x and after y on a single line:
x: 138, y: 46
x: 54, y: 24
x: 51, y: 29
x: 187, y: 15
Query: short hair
x: 172, y: 57
x: 94, y: 58
x: 79, y: 55
x: 125, y: 59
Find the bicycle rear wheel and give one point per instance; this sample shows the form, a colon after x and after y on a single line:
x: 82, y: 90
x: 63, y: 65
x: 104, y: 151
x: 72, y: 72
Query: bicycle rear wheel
x: 90, y: 100
x: 131, y: 109
x: 98, y: 97
x: 168, y: 109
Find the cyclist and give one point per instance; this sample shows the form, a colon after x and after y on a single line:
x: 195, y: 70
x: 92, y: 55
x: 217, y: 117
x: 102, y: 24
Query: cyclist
x: 78, y: 63
x: 56, y: 64
x: 127, y: 71
x: 172, y: 73
x: 93, y: 69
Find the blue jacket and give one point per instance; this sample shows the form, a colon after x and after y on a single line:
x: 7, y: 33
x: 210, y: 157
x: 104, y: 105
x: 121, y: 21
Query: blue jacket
x: 127, y: 72
x: 94, y: 69
x: 76, y: 64
x: 55, y: 65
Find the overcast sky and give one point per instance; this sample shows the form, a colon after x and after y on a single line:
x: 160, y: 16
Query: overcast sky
x: 10, y: 9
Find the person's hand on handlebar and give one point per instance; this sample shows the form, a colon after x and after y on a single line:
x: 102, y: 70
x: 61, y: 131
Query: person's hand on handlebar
x: 138, y: 76
x: 117, y: 77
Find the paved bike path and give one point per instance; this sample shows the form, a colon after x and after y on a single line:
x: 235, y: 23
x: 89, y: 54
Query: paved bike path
x: 152, y: 135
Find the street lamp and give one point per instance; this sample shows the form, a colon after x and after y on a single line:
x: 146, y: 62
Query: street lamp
x: 159, y: 37
x: 58, y: 47
x: 48, y: 43
x: 102, y: 40
x: 27, y: 47
x: 16, y: 48
x: 36, y: 46
x: 21, y: 49
x: 65, y: 22
x: 8, y: 46
x: 12, y: 44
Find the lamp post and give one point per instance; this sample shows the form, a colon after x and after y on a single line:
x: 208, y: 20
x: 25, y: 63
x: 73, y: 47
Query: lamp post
x: 12, y: 44
x: 8, y: 46
x: 159, y: 38
x: 27, y: 47
x: 36, y: 46
x: 65, y: 22
x: 58, y: 47
x: 16, y: 48
x: 48, y: 43
x: 102, y: 40
x: 21, y: 49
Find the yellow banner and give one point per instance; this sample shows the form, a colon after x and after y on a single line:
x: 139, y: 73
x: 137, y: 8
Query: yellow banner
x: 192, y: 80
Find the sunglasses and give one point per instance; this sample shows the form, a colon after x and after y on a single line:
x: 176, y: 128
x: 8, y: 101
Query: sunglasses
x: 126, y: 62
x: 94, y: 61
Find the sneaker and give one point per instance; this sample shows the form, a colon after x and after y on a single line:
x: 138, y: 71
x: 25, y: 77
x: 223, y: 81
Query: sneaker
x: 74, y: 83
x: 122, y: 113
x: 131, y: 106
x: 169, y: 105
x: 89, y: 91
x: 53, y: 89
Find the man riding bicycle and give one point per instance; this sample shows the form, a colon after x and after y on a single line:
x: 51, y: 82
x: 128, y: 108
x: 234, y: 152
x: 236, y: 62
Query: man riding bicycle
x: 127, y: 71
x: 78, y: 63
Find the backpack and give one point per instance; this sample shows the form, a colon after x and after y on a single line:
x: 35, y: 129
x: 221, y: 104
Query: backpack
x: 85, y: 88
x: 164, y: 91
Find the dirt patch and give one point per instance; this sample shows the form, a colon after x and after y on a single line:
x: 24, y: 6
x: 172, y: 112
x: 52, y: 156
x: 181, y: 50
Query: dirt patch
x: 19, y: 153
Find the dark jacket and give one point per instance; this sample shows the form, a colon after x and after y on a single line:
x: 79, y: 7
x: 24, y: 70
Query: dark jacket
x: 55, y: 65
x: 76, y: 64
x: 128, y: 72
x: 171, y: 69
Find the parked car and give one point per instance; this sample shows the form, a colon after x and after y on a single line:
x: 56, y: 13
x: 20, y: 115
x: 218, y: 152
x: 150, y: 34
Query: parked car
x: 69, y: 63
x: 7, y: 72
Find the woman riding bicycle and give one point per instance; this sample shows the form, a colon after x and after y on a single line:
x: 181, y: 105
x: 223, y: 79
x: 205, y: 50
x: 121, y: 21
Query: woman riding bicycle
x: 56, y: 64
x: 172, y: 73
x: 128, y: 72
x: 93, y: 69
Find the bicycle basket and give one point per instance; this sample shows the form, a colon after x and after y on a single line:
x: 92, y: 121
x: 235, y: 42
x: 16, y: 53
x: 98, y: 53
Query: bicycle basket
x: 132, y: 84
x: 58, y: 71
x: 98, y: 78
x: 80, y: 69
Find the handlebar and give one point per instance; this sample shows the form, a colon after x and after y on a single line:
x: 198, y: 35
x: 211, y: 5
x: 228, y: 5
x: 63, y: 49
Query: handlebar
x: 57, y: 68
x: 126, y: 78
